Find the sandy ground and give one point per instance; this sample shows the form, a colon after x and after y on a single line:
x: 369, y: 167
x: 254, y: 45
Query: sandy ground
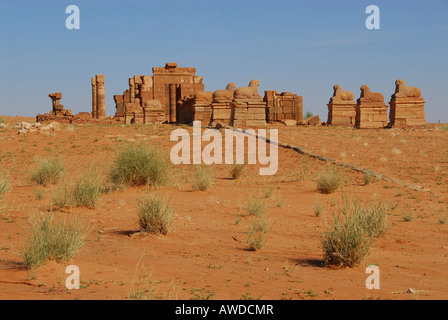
x: 205, y: 255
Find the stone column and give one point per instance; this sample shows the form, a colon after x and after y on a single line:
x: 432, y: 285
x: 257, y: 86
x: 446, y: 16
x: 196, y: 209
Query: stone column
x: 172, y: 103
x: 101, y: 96
x: 132, y: 88
x: 94, y: 99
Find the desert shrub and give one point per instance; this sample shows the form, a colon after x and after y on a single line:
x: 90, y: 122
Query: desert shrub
x: 52, y: 239
x: 39, y: 192
x: 353, y: 233
x: 396, y: 151
x: 257, y: 233
x: 62, y: 196
x: 147, y: 287
x: 137, y: 165
x: 2, y: 119
x: 318, y: 208
x: 256, y: 207
x: 329, y: 181
x: 154, y: 214
x: 85, y: 191
x: 368, y: 177
x: 237, y: 170
x: 48, y: 171
x: 408, y: 217
x: 203, y: 178
x: 4, y: 184
x: 309, y: 114
x: 269, y: 192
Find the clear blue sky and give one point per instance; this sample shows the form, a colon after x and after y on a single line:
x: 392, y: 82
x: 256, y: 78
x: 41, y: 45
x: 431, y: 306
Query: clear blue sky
x: 303, y: 47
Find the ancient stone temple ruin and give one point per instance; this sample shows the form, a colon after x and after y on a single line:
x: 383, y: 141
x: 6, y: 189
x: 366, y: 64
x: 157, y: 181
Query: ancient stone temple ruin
x: 176, y: 95
x: 57, y: 107
x: 154, y: 99
x: 283, y: 106
x: 407, y: 107
x: 342, y: 107
x: 98, y: 97
x: 371, y: 111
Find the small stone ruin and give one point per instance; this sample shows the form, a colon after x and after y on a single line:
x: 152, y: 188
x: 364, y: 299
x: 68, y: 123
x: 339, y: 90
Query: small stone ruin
x: 57, y: 107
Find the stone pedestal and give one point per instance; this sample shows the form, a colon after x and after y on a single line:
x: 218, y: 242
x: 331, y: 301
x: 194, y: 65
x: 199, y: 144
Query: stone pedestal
x: 222, y: 112
x: 371, y: 115
x: 139, y: 117
x: 202, y: 112
x: 154, y: 113
x: 342, y: 112
x: 248, y: 113
x: 407, y: 112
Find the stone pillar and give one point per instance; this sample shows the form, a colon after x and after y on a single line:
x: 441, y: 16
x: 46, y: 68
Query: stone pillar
x: 94, y: 99
x: 101, y: 96
x: 132, y: 88
x: 57, y: 107
x: 119, y: 105
x: 172, y: 103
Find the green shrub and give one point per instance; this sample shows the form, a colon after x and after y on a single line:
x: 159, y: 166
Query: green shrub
x: 354, y: 232
x: 329, y: 181
x: 309, y: 114
x: 84, y: 192
x: 368, y: 177
x: 39, y: 193
x: 237, y: 170
x: 52, y: 239
x: 269, y: 192
x: 138, y: 165
x: 256, y: 207
x: 318, y: 208
x: 203, y: 178
x: 87, y: 191
x: 4, y: 184
x: 257, y: 233
x: 154, y: 214
x: 48, y: 171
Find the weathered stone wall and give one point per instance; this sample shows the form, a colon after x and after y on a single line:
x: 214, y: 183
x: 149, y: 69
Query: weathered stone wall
x: 283, y: 106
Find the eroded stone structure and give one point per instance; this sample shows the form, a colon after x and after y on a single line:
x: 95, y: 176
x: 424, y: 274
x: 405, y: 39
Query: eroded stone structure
x: 341, y: 108
x: 57, y: 107
x: 167, y: 85
x: 283, y: 107
x: 407, y: 107
x: 371, y: 111
x: 183, y: 99
x: 98, y: 97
